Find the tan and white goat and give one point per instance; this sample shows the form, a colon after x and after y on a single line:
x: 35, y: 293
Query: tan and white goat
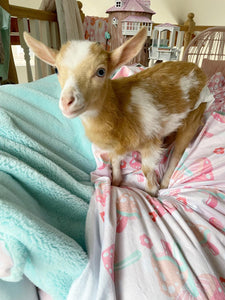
x: 126, y: 114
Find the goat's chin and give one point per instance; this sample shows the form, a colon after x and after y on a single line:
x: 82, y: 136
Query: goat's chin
x: 73, y: 113
x: 69, y: 116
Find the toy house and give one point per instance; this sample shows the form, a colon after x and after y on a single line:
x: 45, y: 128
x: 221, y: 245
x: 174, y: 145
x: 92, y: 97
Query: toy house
x: 166, y: 43
x: 126, y: 18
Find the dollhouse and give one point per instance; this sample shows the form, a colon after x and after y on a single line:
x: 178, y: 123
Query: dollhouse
x: 126, y: 18
x: 163, y: 46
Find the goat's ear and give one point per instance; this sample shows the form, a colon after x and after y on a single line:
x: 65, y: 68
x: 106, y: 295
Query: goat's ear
x: 128, y: 50
x: 43, y: 52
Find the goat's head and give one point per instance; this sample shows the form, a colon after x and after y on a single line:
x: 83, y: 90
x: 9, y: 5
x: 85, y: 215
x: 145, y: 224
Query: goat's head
x: 84, y: 69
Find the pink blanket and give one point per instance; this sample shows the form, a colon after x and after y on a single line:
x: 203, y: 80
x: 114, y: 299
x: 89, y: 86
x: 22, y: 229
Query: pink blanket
x: 170, y: 247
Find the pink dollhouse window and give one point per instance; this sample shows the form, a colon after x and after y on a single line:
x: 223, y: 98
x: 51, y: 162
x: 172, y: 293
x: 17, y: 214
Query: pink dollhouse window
x: 129, y: 26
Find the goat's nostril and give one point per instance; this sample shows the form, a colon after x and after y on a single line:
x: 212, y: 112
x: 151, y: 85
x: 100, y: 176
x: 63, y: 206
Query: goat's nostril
x: 71, y: 100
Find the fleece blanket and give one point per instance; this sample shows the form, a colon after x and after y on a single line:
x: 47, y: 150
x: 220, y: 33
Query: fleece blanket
x: 169, y: 247
x: 45, y: 188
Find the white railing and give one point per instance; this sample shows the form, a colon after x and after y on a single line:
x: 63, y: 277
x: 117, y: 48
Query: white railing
x: 131, y: 28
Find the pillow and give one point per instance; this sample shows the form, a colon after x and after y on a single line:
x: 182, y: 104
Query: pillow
x: 210, y: 67
x: 216, y: 82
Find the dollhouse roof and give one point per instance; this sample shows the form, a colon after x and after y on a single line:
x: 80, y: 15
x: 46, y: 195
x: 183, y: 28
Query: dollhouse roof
x: 137, y: 19
x: 132, y: 6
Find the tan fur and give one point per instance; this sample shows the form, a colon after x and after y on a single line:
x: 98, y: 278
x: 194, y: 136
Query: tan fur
x: 113, y: 117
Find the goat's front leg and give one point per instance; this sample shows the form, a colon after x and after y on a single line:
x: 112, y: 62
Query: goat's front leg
x: 116, y: 171
x: 183, y: 137
x: 150, y: 155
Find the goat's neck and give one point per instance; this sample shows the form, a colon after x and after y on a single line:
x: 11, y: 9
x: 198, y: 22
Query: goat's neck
x: 111, y: 105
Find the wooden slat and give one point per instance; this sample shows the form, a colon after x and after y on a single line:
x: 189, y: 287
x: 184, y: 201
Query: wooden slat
x: 46, y: 39
x: 201, y: 28
x: 5, y: 4
x: 23, y: 12
x: 55, y: 35
x: 62, y: 24
x: 180, y: 39
x: 23, y: 26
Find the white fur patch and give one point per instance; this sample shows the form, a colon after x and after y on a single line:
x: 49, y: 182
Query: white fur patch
x: 75, y: 53
x: 153, y: 158
x: 173, y: 122
x: 186, y: 83
x: 70, y: 89
x: 150, y: 114
x: 90, y: 113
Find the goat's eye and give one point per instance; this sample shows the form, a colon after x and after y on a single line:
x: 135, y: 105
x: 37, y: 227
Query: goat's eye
x: 56, y: 71
x: 100, y: 72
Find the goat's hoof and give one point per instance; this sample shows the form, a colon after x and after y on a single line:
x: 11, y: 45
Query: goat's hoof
x: 152, y: 190
x: 116, y: 181
x: 164, y: 183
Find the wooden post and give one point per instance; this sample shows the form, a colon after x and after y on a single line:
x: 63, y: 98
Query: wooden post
x: 190, y: 23
x: 5, y: 5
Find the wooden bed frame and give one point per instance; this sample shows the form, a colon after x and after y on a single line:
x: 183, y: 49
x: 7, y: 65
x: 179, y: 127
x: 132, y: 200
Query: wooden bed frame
x: 33, y: 19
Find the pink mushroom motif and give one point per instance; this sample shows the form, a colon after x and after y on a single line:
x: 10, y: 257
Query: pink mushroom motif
x: 212, y: 201
x: 159, y: 209
x: 135, y: 162
x: 127, y: 209
x: 102, y: 192
x: 203, y: 234
x: 207, y: 134
x: 146, y: 241
x: 108, y: 260
x: 177, y: 281
x: 200, y: 170
x: 217, y: 223
x: 123, y: 164
x: 102, y: 159
x: 169, y: 271
x: 183, y: 200
x: 219, y: 117
x: 209, y: 288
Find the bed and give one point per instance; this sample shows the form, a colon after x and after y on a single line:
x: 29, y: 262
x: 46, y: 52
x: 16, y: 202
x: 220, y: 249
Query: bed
x: 66, y: 233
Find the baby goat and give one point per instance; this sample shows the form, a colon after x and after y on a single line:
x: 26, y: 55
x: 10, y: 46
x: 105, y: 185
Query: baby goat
x: 127, y: 114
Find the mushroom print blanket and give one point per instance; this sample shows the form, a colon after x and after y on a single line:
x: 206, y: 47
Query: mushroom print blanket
x: 169, y: 247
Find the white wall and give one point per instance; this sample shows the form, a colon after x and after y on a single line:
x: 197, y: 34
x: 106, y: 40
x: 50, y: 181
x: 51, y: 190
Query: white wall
x: 26, y: 3
x: 207, y: 12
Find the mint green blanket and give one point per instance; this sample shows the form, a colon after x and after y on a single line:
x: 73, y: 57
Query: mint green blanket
x: 45, y: 188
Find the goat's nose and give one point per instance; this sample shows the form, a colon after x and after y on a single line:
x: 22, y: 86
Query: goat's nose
x: 71, y: 100
x: 67, y: 101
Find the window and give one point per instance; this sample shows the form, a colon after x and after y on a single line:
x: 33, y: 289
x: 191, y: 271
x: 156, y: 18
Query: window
x: 129, y: 26
x: 115, y: 21
x: 118, y: 3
